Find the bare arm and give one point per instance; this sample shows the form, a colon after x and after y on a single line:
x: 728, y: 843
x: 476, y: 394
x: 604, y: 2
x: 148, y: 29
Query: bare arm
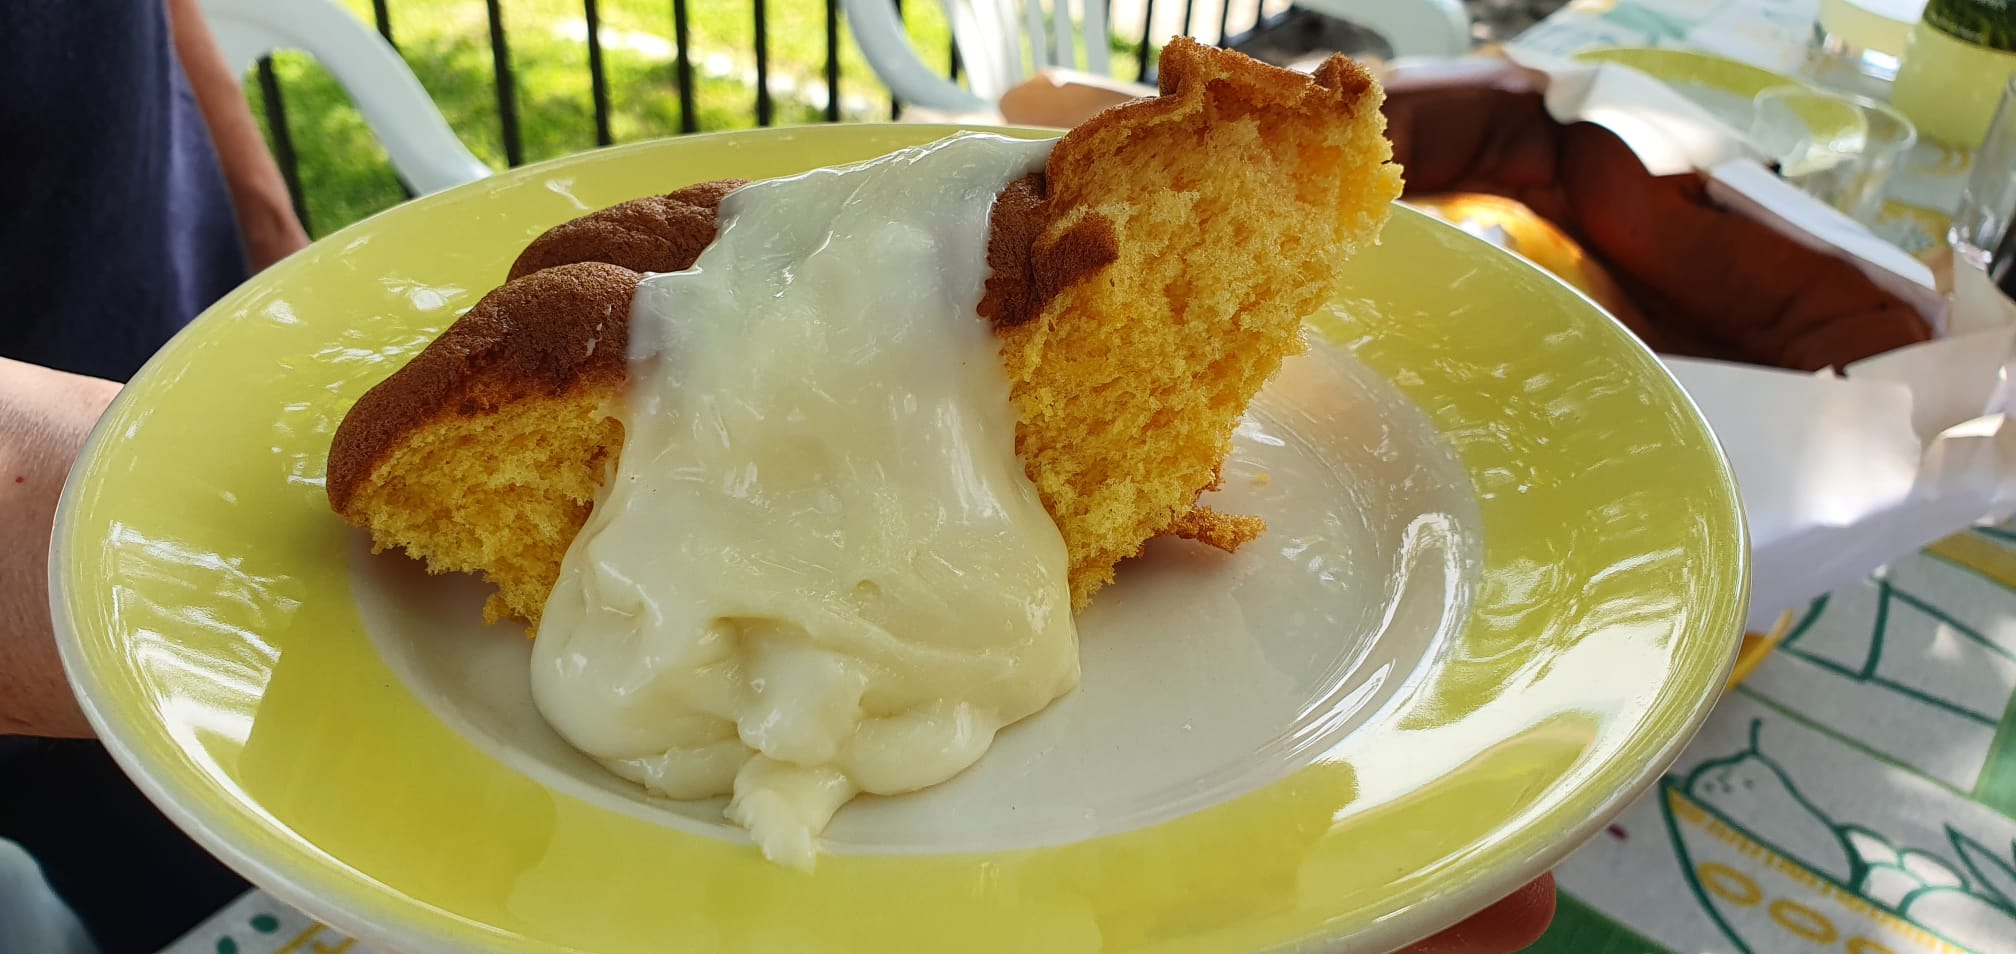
x: 1508, y: 926
x: 266, y: 220
x: 44, y: 416
x: 1065, y: 98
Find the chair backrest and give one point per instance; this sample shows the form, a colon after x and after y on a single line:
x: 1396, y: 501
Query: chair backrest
x: 423, y: 150
x: 994, y: 49
x: 990, y: 35
x: 1410, y: 27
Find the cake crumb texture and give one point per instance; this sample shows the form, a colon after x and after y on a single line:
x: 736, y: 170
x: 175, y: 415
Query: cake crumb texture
x: 1218, y: 213
x: 1143, y: 287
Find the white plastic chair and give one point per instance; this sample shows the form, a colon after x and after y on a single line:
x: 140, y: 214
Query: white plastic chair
x: 1410, y: 27
x: 424, y: 151
x: 989, y: 36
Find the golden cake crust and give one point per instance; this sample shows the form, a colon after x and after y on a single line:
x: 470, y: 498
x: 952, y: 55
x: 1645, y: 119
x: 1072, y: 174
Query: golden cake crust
x: 1189, y: 73
x: 549, y: 333
x: 657, y: 233
x: 1093, y: 290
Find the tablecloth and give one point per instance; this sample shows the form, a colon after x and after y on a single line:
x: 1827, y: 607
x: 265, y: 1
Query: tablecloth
x: 1856, y: 793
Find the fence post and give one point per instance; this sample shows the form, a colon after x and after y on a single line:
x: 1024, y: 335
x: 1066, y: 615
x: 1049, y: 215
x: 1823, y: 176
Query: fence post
x: 689, y: 121
x: 507, y: 96
x: 832, y: 61
x: 283, y: 140
x: 598, y: 81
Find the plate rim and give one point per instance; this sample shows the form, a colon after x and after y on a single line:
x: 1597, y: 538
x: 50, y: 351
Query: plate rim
x: 1433, y: 912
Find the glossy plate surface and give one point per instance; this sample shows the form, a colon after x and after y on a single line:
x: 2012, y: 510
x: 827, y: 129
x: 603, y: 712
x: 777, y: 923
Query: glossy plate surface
x: 1504, y: 582
x: 1726, y: 87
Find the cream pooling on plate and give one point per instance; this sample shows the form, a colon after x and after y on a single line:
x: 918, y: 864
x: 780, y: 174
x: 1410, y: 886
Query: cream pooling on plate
x: 819, y: 568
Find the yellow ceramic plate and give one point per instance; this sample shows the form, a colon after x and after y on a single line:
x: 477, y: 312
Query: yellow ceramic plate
x: 1725, y: 87
x: 1504, y: 583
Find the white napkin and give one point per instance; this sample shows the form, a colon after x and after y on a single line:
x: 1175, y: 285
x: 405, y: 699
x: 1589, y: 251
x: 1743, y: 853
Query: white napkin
x: 1839, y: 474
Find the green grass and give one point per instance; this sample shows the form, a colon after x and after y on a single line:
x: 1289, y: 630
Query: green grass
x: 345, y: 175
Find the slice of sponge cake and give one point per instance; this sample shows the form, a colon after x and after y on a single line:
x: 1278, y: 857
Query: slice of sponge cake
x: 1178, y: 243
x: 1143, y: 288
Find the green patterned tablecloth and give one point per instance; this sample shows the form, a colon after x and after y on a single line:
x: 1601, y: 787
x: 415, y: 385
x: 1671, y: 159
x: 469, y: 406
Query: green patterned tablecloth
x: 1856, y: 794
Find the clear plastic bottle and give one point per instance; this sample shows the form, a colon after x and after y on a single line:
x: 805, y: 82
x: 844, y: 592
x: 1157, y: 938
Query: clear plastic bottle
x: 1960, y: 55
x: 1858, y: 44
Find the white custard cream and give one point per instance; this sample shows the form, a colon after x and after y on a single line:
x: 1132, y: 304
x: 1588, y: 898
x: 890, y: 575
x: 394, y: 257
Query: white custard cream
x: 818, y: 569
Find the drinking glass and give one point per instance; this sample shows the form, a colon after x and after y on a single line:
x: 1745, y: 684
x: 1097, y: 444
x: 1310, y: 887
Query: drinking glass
x: 1857, y: 45
x: 1980, y: 232
x: 1836, y: 147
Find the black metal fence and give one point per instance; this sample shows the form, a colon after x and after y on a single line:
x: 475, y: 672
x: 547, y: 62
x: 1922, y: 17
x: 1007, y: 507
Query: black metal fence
x: 1137, y: 40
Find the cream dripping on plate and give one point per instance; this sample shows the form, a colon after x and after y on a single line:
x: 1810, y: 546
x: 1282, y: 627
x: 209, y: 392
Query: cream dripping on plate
x: 818, y: 569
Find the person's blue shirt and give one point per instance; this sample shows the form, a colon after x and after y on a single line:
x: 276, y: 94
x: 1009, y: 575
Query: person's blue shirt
x: 117, y: 226
x: 115, y: 230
